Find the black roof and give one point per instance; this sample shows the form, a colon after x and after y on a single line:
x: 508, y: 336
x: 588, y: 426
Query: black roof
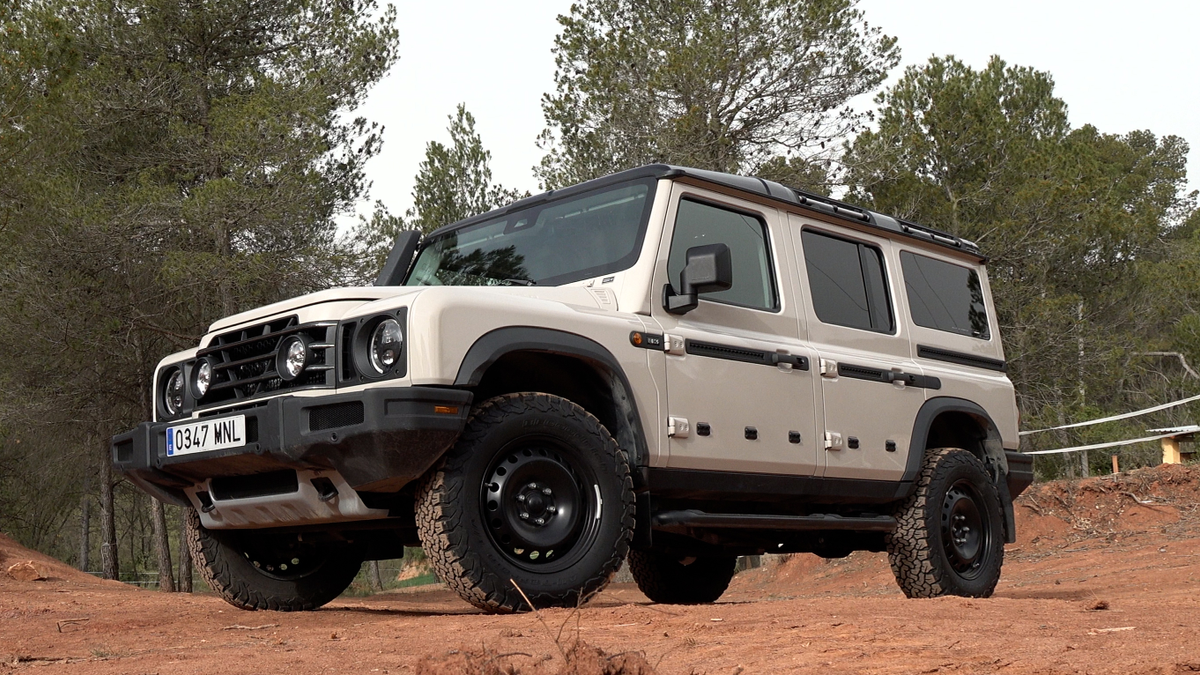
x: 756, y: 186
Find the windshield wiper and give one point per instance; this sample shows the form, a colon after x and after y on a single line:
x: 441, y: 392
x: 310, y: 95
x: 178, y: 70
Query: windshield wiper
x: 520, y: 282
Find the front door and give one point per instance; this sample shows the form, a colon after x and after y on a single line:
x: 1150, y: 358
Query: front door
x: 740, y: 384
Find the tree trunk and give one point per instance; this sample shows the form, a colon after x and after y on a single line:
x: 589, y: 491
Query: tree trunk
x: 373, y: 575
x: 185, y: 557
x: 85, y: 529
x: 109, y: 566
x: 162, y: 546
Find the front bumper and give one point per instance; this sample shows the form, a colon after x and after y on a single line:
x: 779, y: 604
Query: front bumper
x: 377, y: 440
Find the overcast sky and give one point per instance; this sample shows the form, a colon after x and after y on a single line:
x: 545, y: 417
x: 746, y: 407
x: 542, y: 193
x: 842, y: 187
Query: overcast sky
x: 1118, y: 65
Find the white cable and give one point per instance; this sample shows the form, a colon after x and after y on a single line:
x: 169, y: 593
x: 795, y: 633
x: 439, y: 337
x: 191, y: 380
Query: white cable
x: 1122, y: 416
x: 1098, y: 446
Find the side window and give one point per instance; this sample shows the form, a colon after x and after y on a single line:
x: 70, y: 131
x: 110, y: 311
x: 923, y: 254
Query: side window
x: 848, y: 283
x: 944, y: 296
x: 698, y: 224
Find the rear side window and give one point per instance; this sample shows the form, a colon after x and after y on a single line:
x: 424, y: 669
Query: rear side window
x: 944, y: 296
x: 847, y: 282
x: 698, y: 224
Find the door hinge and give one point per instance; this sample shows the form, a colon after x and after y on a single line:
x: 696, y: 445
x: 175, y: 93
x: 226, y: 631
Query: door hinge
x: 678, y: 427
x: 673, y: 344
x: 833, y: 440
x: 829, y: 368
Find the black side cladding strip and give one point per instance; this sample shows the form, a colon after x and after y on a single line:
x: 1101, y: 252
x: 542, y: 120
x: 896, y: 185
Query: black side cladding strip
x: 888, y: 376
x: 743, y: 354
x: 938, y: 354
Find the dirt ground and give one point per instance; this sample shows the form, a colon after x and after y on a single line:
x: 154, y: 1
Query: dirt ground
x: 1105, y: 578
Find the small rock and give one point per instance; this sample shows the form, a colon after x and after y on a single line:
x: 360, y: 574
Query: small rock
x: 25, y: 571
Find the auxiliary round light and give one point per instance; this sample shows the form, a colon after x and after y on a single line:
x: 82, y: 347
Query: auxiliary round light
x: 386, y: 342
x: 293, y: 357
x: 203, y: 377
x: 173, y: 393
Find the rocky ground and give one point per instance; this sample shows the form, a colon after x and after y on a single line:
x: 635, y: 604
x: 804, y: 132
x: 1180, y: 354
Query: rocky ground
x: 1105, y: 578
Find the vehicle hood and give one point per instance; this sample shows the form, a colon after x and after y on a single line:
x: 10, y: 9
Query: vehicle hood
x: 356, y: 294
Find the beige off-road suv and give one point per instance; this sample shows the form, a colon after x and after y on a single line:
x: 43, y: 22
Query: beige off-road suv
x: 666, y: 364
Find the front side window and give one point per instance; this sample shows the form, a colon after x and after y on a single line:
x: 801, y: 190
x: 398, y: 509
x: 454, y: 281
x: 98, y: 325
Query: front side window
x: 847, y: 282
x: 944, y: 296
x: 698, y: 224
x: 548, y: 244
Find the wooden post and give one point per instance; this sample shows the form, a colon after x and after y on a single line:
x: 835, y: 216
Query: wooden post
x: 1116, y: 467
x: 1170, y: 448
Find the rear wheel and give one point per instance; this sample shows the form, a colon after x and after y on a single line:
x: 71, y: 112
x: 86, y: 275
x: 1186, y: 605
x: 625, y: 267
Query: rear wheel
x: 673, y: 580
x: 535, y: 494
x: 257, y: 569
x: 949, y: 538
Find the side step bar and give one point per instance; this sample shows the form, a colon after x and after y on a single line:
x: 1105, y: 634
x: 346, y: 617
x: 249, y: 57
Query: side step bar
x: 752, y: 521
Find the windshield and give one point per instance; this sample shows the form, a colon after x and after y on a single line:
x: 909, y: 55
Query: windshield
x: 548, y: 244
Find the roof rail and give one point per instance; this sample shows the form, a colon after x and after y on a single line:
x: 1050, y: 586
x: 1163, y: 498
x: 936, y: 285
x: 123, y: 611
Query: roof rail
x: 831, y: 206
x: 938, y: 236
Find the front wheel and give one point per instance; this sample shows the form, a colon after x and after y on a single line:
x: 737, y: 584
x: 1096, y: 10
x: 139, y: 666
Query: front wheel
x: 535, y: 493
x: 259, y: 569
x: 949, y: 538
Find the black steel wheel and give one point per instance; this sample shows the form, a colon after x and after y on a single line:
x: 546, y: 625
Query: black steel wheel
x: 965, y: 529
x: 539, y: 504
x: 949, y: 538
x: 260, y: 569
x: 534, y: 494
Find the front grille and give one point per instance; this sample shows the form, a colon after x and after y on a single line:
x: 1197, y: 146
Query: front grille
x: 335, y: 416
x: 245, y: 360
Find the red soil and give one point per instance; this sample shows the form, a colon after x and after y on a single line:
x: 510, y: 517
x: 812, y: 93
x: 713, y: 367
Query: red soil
x: 1105, y: 578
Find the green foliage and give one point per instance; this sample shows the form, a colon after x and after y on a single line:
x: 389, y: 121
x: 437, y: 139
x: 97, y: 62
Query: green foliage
x: 716, y: 84
x: 453, y: 183
x: 180, y: 162
x: 1090, y: 263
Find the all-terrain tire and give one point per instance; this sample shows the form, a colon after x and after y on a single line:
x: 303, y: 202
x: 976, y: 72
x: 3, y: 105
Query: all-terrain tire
x: 515, y: 449
x: 692, y: 581
x: 949, y: 538
x: 228, y: 564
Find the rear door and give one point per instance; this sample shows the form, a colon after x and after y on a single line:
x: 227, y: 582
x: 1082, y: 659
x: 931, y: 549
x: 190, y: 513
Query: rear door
x: 869, y: 383
x: 737, y: 371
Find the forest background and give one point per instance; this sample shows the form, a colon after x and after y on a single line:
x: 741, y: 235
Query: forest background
x: 165, y: 163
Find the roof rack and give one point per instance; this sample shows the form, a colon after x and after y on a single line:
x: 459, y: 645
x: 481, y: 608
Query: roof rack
x: 831, y: 206
x: 937, y: 235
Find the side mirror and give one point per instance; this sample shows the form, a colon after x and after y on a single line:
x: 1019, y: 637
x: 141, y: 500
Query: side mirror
x: 708, y: 269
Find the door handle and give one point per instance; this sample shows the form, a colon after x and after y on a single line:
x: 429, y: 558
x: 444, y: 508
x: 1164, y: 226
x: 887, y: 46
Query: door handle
x: 798, y: 362
x: 910, y: 380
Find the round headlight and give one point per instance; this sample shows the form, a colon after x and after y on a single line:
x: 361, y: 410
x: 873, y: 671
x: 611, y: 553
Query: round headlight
x: 386, y: 342
x: 173, y: 393
x: 202, y: 377
x: 293, y: 356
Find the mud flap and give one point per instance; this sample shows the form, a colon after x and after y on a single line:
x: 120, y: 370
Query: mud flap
x: 1010, y: 520
x: 642, y: 540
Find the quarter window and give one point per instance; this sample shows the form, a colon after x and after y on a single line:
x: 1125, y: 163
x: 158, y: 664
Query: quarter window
x: 698, y: 224
x: 944, y: 296
x: 847, y: 282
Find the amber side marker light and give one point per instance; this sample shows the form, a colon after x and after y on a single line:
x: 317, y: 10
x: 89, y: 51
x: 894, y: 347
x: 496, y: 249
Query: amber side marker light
x: 445, y: 409
x: 636, y: 339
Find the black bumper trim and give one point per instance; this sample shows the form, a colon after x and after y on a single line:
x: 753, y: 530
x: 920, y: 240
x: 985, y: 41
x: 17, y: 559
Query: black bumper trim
x: 1020, y: 472
x: 399, y: 438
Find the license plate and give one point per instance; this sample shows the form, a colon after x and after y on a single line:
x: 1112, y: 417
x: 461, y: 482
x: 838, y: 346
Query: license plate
x: 218, y: 434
